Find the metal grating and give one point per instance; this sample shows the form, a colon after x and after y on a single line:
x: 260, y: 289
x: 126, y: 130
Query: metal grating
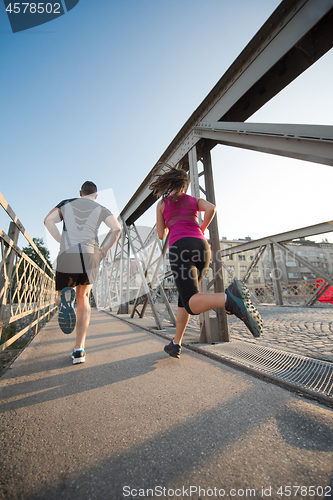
x: 309, y: 374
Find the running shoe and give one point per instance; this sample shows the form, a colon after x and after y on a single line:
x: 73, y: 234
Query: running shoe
x: 173, y: 349
x: 78, y: 356
x: 239, y: 303
x: 67, y: 316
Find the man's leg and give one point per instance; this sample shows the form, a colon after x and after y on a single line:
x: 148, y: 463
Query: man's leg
x: 57, y: 300
x: 82, y: 314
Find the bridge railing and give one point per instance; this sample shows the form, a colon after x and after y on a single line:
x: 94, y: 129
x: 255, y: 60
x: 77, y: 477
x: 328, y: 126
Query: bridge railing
x: 283, y: 269
x: 27, y: 291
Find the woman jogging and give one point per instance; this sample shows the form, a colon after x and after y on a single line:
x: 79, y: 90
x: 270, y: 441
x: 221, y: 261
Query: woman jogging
x: 189, y: 256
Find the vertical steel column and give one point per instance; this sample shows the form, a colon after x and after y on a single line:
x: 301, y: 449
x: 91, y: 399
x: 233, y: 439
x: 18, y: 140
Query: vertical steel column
x: 222, y: 323
x: 275, y: 277
x: 205, y: 330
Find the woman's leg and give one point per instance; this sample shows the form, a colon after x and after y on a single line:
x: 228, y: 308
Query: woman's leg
x: 181, y: 324
x: 187, y: 275
x: 202, y: 302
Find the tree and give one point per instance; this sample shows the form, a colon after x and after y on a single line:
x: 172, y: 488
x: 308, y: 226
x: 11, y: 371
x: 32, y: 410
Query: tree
x: 30, y: 252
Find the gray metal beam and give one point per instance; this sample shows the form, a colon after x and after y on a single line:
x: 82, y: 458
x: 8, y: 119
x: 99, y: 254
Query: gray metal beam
x: 306, y: 264
x: 325, y: 227
x: 305, y: 142
x: 296, y: 35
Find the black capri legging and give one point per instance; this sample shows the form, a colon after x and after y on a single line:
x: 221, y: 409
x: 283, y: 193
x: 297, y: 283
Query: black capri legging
x: 189, y: 260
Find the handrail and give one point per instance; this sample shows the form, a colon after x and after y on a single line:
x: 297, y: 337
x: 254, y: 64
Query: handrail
x: 26, y: 289
x: 21, y: 228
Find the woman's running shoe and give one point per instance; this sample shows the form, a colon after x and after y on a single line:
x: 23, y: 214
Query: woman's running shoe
x: 78, y: 356
x: 239, y: 303
x: 67, y: 316
x: 173, y: 349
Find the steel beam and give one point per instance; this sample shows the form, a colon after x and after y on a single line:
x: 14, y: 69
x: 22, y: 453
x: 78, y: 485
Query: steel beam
x: 305, y: 142
x: 222, y: 323
x: 325, y: 227
x: 205, y: 329
x: 306, y: 264
x: 296, y: 35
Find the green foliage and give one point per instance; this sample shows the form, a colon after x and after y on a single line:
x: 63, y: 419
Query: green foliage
x: 30, y: 252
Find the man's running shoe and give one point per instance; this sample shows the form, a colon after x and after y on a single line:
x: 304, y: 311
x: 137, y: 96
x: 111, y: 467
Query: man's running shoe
x: 239, y: 303
x: 78, y: 356
x: 173, y: 349
x: 67, y: 316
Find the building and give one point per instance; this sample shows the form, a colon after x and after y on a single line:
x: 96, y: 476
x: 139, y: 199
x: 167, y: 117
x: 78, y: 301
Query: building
x: 292, y: 270
x: 237, y: 265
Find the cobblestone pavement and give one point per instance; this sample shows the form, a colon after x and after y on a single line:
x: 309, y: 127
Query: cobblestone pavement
x: 302, y: 330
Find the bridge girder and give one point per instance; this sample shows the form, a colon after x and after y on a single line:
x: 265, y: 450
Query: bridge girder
x: 295, y: 36
x: 305, y: 142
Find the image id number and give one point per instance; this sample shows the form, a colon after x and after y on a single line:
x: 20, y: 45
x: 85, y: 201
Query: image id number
x: 33, y: 8
x: 304, y: 491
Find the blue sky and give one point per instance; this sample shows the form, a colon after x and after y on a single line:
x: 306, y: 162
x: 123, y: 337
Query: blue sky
x: 99, y: 94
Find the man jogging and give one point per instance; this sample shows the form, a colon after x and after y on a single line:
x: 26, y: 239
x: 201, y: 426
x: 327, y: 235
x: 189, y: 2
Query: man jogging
x: 79, y: 258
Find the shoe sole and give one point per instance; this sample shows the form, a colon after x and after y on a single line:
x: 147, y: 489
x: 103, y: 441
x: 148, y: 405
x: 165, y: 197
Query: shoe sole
x: 66, y: 315
x: 254, y: 321
x: 171, y: 353
x: 76, y: 361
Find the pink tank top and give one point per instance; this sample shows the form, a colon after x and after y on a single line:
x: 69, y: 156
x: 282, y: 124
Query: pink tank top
x: 181, y: 218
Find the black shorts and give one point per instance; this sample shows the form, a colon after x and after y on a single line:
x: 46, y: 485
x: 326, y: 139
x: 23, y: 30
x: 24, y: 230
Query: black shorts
x: 73, y: 270
x: 189, y: 260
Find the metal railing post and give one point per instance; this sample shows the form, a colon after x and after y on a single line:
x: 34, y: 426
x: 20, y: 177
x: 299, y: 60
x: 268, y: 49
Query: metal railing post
x: 275, y: 277
x: 6, y: 273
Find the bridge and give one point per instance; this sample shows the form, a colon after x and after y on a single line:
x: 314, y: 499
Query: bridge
x: 128, y: 395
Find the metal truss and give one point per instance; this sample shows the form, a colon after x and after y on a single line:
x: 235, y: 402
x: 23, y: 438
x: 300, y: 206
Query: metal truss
x: 296, y: 35
x: 305, y: 142
x: 319, y: 293
x: 305, y: 232
x: 293, y: 38
x: 120, y: 288
x: 151, y: 288
x: 280, y: 241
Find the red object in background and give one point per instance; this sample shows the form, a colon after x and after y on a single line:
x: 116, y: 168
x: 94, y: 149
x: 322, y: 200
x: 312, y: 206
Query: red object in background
x: 327, y: 296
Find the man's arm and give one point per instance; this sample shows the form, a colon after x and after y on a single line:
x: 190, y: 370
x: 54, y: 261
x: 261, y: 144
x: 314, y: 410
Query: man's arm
x: 113, y: 224
x: 50, y: 222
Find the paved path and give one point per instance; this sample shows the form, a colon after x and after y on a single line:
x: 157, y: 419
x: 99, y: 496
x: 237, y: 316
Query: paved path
x: 132, y: 419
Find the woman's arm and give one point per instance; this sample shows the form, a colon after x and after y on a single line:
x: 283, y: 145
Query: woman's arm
x: 209, y: 209
x: 161, y: 228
